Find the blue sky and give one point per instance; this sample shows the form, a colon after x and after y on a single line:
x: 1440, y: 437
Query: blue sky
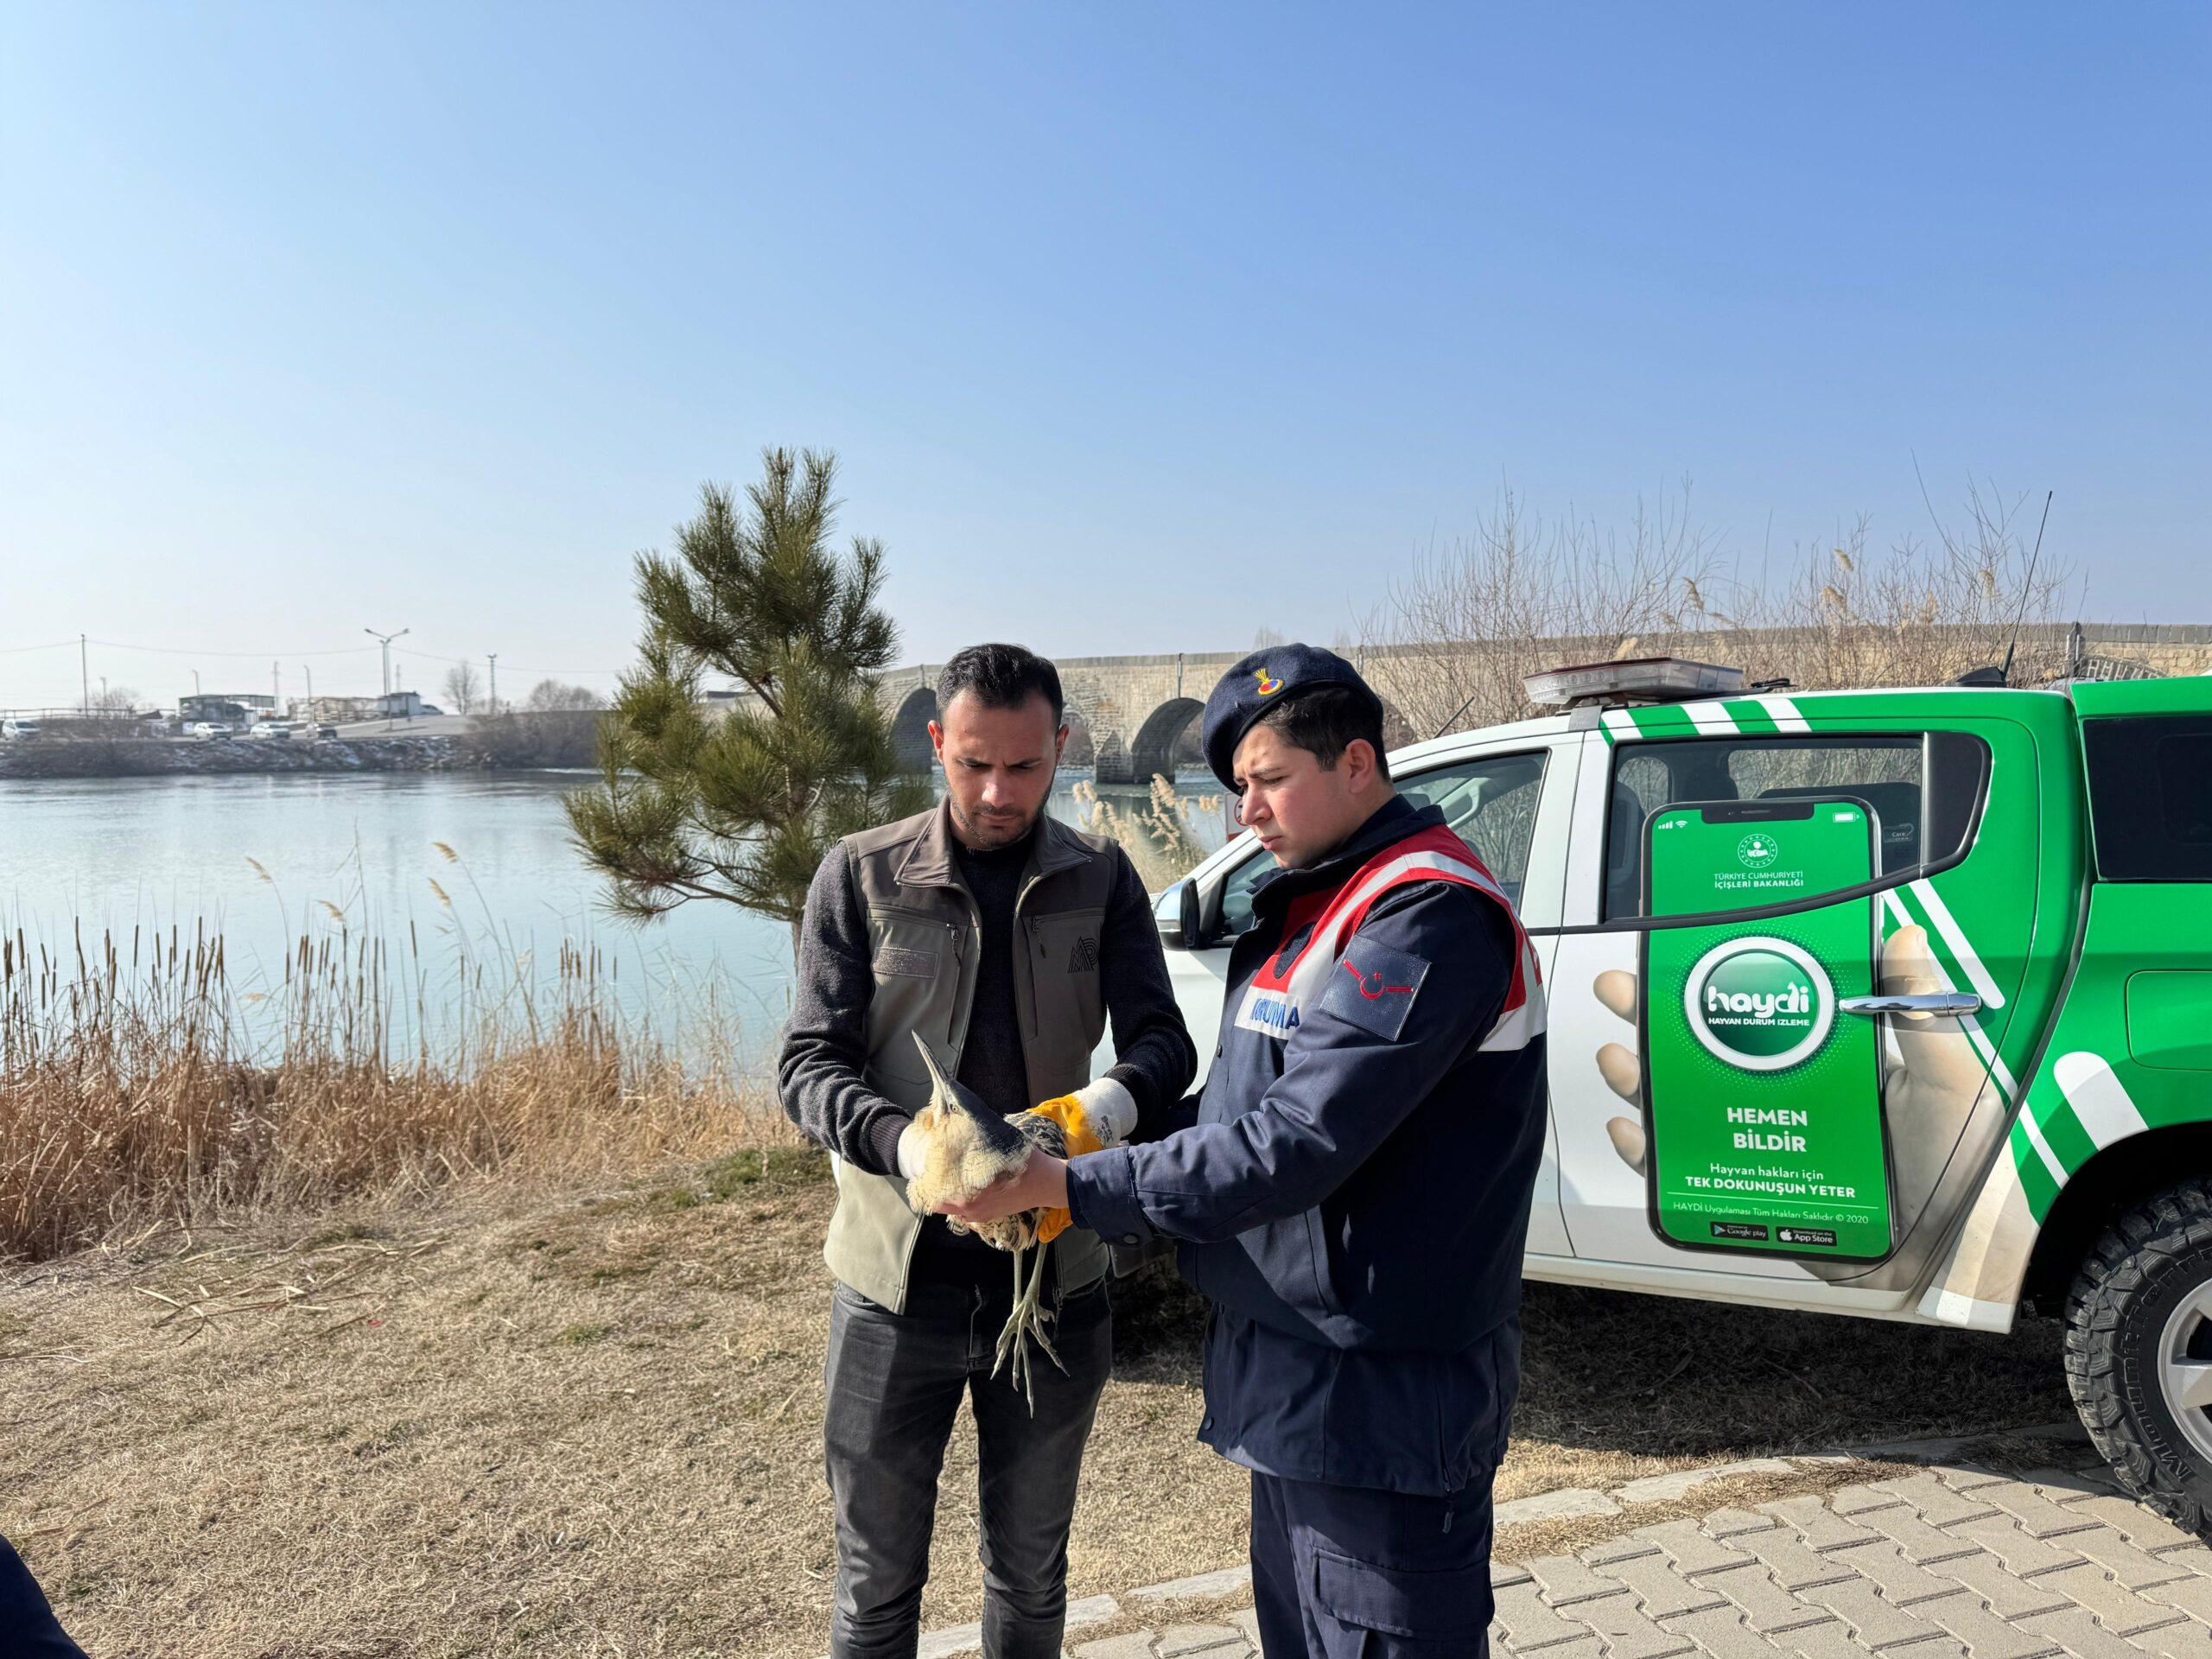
x: 1136, y: 329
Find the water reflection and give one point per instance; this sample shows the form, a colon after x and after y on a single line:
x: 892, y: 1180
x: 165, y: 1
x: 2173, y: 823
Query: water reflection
x: 264, y: 859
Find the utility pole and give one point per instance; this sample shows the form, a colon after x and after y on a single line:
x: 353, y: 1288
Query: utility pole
x: 309, y: 669
x: 84, y: 669
x: 276, y: 695
x: 493, y: 658
x: 385, y: 639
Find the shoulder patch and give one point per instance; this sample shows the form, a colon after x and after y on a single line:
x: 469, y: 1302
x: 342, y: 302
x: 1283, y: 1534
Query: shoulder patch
x: 1374, y: 987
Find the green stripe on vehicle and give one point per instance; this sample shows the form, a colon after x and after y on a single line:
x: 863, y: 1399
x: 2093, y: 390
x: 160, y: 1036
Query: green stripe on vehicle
x: 1750, y: 717
x: 1661, y: 720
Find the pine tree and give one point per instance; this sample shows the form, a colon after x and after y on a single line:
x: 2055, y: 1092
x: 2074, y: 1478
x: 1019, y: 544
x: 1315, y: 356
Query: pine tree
x: 742, y: 807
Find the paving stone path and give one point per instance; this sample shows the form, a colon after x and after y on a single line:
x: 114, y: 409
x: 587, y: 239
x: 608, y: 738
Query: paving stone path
x: 1948, y: 1561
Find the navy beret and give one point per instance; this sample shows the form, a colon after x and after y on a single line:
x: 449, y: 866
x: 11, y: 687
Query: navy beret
x: 1269, y: 675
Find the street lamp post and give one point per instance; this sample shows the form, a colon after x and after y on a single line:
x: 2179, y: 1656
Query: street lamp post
x: 385, y: 639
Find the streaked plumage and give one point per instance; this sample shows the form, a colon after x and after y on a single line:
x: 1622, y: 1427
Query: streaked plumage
x: 967, y: 1148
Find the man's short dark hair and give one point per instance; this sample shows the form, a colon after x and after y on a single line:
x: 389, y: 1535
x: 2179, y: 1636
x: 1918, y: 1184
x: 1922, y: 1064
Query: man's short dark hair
x: 1326, y: 720
x: 1000, y: 676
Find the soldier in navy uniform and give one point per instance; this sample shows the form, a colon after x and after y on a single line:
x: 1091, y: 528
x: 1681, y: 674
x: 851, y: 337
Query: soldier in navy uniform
x: 27, y: 1627
x: 1352, y: 1187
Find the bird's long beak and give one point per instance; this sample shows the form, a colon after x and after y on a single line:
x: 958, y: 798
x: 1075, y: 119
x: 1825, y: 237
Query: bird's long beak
x: 938, y: 1085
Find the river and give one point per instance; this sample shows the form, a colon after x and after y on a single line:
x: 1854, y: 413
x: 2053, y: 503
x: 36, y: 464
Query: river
x: 265, y: 860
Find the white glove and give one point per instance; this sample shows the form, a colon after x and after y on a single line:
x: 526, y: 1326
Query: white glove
x: 1110, y: 1110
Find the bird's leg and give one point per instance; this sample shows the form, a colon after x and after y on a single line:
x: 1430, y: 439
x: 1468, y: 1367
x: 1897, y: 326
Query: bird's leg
x: 1025, y: 1322
x: 1010, y: 1334
x: 1040, y: 1319
x: 1020, y: 1322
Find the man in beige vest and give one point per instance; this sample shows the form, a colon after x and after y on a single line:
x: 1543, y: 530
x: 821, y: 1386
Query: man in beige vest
x: 1007, y: 941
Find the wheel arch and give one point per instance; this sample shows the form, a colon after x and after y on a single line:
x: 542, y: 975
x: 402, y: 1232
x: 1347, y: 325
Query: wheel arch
x: 2118, y: 1178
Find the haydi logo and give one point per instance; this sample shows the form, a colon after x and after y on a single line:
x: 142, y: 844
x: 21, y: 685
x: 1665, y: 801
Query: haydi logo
x: 1761, y: 1006
x: 1758, y: 1004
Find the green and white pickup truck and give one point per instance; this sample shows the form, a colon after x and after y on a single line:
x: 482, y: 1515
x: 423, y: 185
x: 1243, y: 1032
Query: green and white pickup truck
x: 1935, y: 1041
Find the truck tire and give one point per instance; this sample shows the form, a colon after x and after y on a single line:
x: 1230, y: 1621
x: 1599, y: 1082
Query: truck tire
x: 2139, y: 1351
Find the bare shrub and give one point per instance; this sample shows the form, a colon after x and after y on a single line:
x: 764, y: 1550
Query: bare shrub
x: 1850, y: 614
x: 1453, y: 641
x: 462, y: 688
x: 565, y: 737
x: 549, y: 694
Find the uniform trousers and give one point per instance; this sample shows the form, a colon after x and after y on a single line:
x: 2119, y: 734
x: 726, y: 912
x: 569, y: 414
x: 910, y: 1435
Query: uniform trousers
x: 1352, y: 1572
x: 27, y: 1629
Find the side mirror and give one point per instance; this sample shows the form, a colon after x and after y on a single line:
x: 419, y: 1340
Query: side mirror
x: 1194, y: 917
x: 1167, y: 914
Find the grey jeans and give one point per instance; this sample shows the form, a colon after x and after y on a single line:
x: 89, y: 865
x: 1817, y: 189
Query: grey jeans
x: 895, y: 1382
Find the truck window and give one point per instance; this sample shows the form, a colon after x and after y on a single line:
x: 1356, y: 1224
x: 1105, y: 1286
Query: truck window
x: 1909, y: 778
x: 2151, y: 797
x: 1489, y: 802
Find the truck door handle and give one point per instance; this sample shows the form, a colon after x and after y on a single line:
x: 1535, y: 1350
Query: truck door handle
x: 1938, y: 1003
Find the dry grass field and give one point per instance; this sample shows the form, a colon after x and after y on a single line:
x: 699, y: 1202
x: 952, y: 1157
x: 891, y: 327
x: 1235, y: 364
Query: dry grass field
x: 331, y: 1349
x: 515, y: 1417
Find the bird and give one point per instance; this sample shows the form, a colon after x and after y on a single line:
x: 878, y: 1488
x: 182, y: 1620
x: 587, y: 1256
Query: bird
x: 966, y: 1147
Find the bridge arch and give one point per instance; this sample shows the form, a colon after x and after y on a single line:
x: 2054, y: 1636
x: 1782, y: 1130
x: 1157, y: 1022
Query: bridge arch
x: 1397, y: 731
x: 1082, y: 751
x: 1160, y: 741
x: 910, y: 729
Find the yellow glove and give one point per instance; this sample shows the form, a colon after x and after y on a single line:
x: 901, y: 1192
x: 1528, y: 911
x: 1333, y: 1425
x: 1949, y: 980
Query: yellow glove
x: 1087, y: 1120
x: 1075, y: 1124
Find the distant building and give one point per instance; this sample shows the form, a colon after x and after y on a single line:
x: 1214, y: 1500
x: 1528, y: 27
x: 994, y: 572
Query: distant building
x: 343, y: 711
x: 245, y: 702
x: 334, y: 711
x: 216, y: 706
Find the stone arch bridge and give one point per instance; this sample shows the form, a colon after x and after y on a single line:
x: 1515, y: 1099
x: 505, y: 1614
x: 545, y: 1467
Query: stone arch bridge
x: 1133, y: 717
x: 1137, y: 715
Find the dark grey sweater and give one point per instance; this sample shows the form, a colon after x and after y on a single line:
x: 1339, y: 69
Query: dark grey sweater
x: 991, y: 1060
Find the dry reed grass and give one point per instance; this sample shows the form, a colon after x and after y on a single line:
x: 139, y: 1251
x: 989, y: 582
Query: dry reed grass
x: 1161, y: 837
x: 138, y: 1081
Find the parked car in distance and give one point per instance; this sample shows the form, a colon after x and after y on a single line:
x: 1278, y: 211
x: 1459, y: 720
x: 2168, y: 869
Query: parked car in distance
x: 208, y: 729
x: 270, y: 729
x: 18, y: 730
x: 326, y: 731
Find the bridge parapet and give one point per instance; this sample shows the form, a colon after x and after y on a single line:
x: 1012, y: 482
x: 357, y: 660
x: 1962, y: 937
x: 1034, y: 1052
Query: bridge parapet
x: 1138, y: 712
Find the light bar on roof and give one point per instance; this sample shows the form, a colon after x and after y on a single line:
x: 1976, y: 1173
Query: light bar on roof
x: 1641, y: 679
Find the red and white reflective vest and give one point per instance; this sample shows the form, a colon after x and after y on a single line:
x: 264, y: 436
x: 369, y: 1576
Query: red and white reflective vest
x: 1276, y: 1001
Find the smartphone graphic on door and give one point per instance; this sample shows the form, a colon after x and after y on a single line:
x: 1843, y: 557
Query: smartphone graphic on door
x: 1763, y: 1105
